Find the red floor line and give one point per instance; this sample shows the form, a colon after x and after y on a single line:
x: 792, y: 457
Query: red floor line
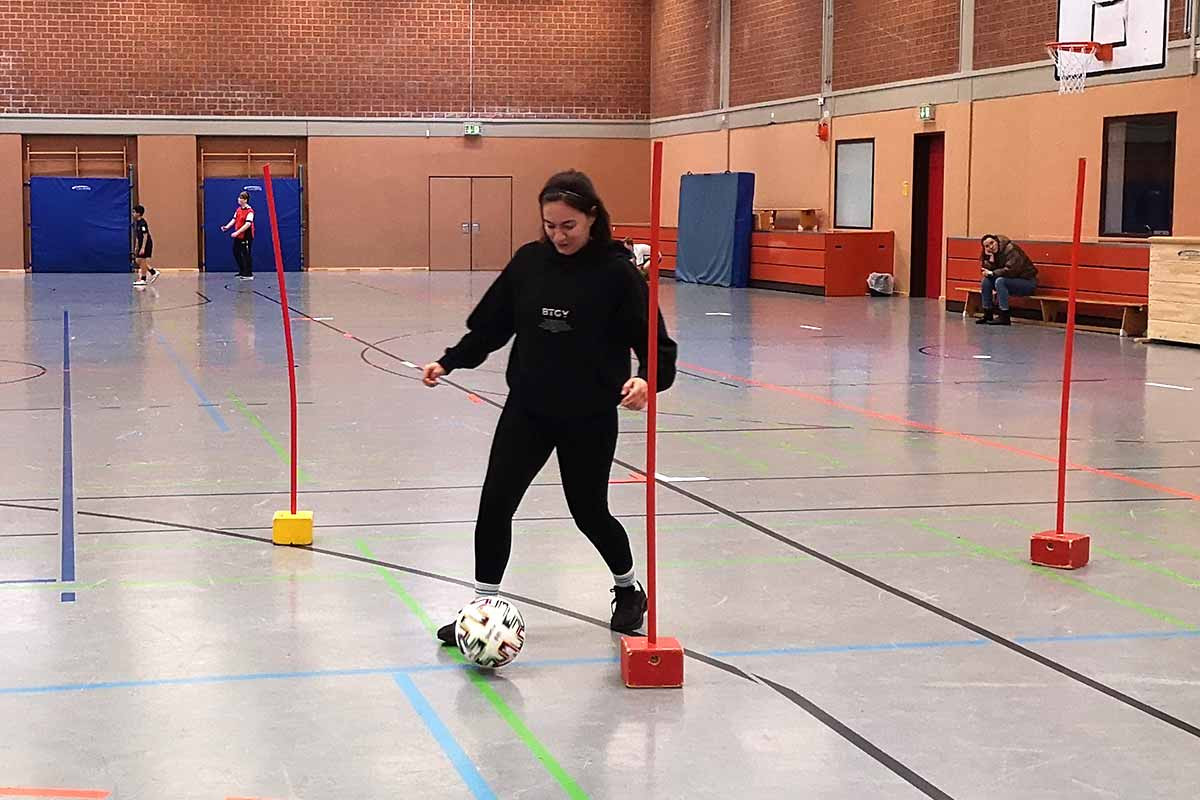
x: 63, y: 794
x: 943, y: 432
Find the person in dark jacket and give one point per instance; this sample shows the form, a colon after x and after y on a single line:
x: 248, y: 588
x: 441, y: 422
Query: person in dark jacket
x: 1007, y: 271
x: 576, y: 307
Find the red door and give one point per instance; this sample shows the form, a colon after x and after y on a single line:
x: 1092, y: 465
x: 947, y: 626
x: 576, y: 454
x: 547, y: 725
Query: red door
x: 933, y: 224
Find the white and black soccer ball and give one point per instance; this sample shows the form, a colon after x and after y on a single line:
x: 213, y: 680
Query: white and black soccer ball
x: 490, y: 632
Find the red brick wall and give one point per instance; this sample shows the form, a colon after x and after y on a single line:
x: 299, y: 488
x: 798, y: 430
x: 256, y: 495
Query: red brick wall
x: 1013, y: 31
x: 1178, y: 10
x: 368, y: 58
x: 774, y: 50
x: 685, y: 61
x: 883, y: 41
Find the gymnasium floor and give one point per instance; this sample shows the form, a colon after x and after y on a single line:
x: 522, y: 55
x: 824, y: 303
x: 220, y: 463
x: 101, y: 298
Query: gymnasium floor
x: 843, y: 545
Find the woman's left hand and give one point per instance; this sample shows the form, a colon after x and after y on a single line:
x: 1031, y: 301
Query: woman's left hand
x: 633, y: 394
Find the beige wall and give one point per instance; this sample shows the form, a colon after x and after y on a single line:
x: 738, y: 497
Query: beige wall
x: 12, y: 204
x: 694, y: 152
x: 791, y: 165
x: 368, y: 198
x: 166, y: 186
x: 1026, y: 151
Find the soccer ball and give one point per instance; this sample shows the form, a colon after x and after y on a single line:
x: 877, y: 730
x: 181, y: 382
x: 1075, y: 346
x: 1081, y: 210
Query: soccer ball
x: 490, y: 632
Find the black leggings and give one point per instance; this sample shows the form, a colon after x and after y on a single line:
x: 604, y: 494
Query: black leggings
x: 241, y: 255
x: 521, y: 447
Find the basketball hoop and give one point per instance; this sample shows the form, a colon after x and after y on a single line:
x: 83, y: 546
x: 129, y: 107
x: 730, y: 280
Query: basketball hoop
x: 1072, y: 60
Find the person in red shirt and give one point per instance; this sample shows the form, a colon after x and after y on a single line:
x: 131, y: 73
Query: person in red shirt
x: 243, y: 237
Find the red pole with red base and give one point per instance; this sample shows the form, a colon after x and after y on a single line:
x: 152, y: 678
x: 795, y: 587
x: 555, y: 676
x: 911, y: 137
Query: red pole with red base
x: 652, y: 662
x: 1057, y: 548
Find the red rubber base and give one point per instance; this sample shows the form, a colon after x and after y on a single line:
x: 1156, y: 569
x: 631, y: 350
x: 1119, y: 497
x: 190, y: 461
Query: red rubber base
x: 1060, y: 550
x: 651, y: 667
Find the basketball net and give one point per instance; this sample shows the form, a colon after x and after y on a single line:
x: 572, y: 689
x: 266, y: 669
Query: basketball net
x: 1072, y: 60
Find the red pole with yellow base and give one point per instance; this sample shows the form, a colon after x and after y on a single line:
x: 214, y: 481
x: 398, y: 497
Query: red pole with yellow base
x: 290, y: 527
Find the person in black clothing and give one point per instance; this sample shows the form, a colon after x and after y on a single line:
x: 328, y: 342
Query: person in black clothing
x: 143, y: 248
x: 576, y: 307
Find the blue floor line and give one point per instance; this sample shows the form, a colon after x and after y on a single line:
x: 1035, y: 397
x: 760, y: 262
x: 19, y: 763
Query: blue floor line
x: 67, y: 506
x: 207, y: 404
x: 445, y: 739
x: 575, y: 662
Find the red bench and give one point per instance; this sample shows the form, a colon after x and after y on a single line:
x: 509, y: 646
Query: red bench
x: 1114, y: 278
x: 833, y: 263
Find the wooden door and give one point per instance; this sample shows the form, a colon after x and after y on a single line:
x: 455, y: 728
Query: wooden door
x: 491, y: 223
x: 449, y: 223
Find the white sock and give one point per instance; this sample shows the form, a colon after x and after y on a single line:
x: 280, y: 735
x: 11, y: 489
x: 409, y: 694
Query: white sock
x: 486, y: 589
x: 625, y: 581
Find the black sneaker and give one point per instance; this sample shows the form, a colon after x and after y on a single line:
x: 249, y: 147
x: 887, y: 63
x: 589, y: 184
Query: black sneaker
x: 986, y: 319
x: 629, y: 608
x: 1005, y: 318
x: 445, y: 635
x: 153, y: 276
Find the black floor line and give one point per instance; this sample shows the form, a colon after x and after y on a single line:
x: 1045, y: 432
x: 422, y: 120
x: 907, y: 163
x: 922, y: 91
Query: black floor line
x: 824, y: 717
x: 204, y: 300
x: 1045, y: 661
x: 735, y: 479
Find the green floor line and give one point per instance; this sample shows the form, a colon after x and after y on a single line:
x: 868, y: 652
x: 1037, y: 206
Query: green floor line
x: 280, y: 450
x: 1056, y: 575
x: 498, y: 703
x: 1149, y: 567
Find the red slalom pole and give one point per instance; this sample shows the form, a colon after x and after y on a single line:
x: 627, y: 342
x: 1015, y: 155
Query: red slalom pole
x: 650, y: 662
x: 295, y: 528
x: 652, y: 406
x: 1069, y: 353
x: 1058, y: 548
x: 287, y: 322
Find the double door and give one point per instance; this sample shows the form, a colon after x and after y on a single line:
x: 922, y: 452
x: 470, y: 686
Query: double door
x: 470, y: 223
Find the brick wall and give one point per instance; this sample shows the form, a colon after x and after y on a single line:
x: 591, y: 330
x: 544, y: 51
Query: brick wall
x: 774, y: 50
x: 1016, y: 31
x: 685, y: 62
x: 1013, y: 31
x: 368, y: 58
x: 883, y: 41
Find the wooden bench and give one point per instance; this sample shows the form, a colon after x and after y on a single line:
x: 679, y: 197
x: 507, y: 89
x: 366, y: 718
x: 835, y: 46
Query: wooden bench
x: 1114, y: 280
x: 1133, y: 315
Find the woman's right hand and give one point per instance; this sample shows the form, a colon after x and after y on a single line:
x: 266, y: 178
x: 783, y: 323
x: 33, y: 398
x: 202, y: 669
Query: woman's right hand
x: 431, y: 373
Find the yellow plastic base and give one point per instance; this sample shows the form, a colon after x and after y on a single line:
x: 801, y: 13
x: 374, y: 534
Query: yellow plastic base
x: 292, y: 529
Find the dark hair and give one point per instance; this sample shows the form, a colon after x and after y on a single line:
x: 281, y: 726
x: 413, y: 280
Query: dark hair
x: 139, y: 209
x: 983, y: 239
x: 245, y: 195
x: 576, y: 190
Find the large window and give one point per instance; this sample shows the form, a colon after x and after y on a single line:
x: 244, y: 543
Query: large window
x: 854, y: 187
x: 1138, y: 184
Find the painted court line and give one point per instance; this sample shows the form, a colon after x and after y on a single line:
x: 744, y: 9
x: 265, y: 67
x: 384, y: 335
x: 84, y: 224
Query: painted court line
x: 445, y: 739
x: 462, y: 666
x: 966, y: 437
x: 266, y: 434
x: 67, y: 500
x: 498, y: 704
x: 64, y: 794
x: 205, y: 403
x: 1169, y: 386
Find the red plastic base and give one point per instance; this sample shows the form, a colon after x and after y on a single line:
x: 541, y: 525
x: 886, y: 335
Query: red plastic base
x: 646, y: 667
x: 1060, y: 550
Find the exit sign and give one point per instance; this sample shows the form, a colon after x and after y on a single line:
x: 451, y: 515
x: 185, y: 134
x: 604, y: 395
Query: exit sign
x: 472, y: 129
x: 926, y: 113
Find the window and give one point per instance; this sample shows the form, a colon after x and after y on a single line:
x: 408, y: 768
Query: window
x: 1138, y: 183
x: 854, y: 186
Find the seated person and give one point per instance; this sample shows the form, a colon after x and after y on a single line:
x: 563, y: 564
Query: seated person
x: 640, y: 254
x: 1006, y: 271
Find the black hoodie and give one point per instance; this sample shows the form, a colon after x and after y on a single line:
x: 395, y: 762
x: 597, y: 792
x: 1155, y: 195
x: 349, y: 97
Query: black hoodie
x: 575, y: 319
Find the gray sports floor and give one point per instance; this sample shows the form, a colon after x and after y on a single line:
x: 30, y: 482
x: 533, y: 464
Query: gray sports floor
x: 850, y: 486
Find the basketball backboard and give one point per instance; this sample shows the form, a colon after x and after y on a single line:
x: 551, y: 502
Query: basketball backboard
x: 1137, y: 30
